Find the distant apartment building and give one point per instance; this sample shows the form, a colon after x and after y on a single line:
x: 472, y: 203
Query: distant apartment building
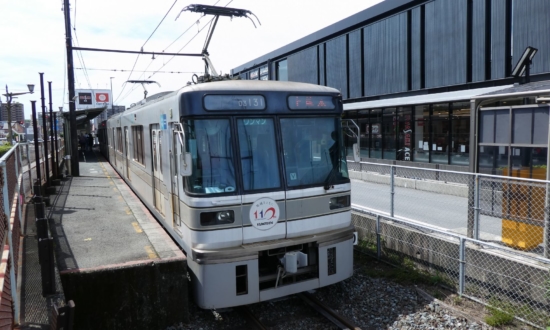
x: 17, y: 112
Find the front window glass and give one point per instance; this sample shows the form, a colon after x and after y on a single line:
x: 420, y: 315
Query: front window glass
x: 258, y: 150
x: 313, y: 151
x: 209, y: 142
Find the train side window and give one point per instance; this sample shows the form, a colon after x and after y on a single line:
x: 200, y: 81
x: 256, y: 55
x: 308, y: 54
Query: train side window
x: 119, y: 139
x: 137, y: 139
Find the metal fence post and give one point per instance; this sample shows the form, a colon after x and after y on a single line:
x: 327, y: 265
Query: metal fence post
x: 47, y: 267
x: 378, y: 247
x: 7, y: 212
x: 471, y: 202
x: 477, y: 208
x: 462, y: 266
x: 546, y: 238
x: 29, y: 165
x: 392, y: 187
x: 19, y: 168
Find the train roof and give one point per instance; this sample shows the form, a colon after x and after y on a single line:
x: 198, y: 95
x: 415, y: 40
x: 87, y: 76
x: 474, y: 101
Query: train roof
x: 247, y: 86
x: 259, y: 86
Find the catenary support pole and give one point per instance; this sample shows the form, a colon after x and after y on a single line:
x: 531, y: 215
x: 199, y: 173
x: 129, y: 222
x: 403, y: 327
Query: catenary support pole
x: 73, y: 153
x: 44, y: 130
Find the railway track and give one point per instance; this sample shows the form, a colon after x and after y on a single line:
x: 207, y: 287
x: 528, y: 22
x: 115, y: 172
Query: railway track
x: 324, y: 310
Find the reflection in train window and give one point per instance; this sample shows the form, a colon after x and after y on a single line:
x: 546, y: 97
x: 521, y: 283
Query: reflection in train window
x: 209, y: 142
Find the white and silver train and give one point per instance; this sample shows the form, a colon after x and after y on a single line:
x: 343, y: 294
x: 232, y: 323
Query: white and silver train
x: 249, y: 178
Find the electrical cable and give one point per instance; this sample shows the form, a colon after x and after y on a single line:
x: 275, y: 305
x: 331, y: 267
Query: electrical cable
x: 143, y: 71
x: 155, y: 30
x: 137, y: 57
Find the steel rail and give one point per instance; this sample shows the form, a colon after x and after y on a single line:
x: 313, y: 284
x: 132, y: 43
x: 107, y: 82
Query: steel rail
x: 247, y: 313
x: 327, y: 312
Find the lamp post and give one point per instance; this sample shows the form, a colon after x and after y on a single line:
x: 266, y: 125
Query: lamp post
x: 9, y: 96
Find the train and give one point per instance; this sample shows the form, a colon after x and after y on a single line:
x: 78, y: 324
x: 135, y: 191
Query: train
x: 250, y: 179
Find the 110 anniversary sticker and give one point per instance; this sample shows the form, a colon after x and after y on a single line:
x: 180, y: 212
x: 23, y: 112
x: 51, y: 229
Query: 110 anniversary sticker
x: 264, y: 213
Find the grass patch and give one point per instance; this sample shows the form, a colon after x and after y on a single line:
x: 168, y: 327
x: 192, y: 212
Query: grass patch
x: 500, y: 313
x: 406, y: 273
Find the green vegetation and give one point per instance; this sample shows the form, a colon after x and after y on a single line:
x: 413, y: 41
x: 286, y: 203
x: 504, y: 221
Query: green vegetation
x: 500, y: 313
x: 5, y: 148
x: 406, y: 273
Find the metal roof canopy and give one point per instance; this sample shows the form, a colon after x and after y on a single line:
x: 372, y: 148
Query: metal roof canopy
x: 464, y: 95
x: 85, y: 115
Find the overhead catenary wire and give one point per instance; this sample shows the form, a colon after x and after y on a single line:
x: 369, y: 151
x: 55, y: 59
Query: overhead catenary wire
x: 137, y: 57
x: 81, y: 60
x: 151, y: 62
x: 144, y: 71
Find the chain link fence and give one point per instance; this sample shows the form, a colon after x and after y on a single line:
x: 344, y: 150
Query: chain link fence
x: 480, y: 235
x: 510, y: 211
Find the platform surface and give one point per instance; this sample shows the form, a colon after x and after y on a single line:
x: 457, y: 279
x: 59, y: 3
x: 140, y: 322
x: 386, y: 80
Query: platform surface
x: 113, y: 258
x: 99, y: 222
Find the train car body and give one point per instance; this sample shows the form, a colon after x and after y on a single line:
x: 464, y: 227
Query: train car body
x: 249, y: 178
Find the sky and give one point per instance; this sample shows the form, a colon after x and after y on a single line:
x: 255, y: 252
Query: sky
x: 33, y: 41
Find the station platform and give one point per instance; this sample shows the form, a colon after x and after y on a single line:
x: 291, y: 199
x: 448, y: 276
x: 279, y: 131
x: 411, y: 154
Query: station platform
x: 114, y: 260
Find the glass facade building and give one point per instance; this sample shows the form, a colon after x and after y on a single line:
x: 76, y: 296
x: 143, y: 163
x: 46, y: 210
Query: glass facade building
x: 430, y: 133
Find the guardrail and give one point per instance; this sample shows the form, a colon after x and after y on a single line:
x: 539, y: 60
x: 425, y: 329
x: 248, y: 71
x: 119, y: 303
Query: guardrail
x: 510, y: 211
x: 18, y: 173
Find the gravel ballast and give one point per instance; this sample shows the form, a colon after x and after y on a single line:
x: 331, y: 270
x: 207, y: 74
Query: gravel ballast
x: 368, y: 302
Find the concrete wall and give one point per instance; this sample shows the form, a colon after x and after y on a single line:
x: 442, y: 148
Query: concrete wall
x: 149, y: 295
x: 440, y: 187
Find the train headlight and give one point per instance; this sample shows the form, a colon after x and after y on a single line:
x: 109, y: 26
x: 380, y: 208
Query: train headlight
x: 217, y: 218
x: 339, y: 202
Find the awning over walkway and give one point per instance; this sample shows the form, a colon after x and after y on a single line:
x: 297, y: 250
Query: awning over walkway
x: 84, y: 116
x: 464, y: 95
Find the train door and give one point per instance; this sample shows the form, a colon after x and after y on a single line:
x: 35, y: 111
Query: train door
x: 115, y: 142
x: 176, y: 181
x: 127, y: 152
x: 158, y: 197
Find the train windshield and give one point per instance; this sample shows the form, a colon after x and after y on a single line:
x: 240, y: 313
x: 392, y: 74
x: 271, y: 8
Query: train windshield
x: 258, y: 152
x: 209, y: 142
x: 313, y: 152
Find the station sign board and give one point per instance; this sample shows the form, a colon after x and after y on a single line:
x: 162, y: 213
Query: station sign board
x: 92, y: 98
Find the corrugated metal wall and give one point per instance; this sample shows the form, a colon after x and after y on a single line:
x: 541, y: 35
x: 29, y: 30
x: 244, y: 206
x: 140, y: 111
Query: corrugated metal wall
x: 355, y: 65
x: 302, y: 66
x: 498, y: 38
x: 531, y: 28
x: 336, y: 64
x: 478, y: 40
x: 416, y: 31
x: 322, y: 79
x: 446, y: 42
x: 439, y: 42
x: 385, y: 45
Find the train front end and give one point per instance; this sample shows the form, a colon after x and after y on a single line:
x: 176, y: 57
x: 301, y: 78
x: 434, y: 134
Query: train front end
x: 265, y: 210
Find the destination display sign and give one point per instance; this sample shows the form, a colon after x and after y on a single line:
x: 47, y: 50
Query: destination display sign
x: 304, y: 102
x: 234, y: 102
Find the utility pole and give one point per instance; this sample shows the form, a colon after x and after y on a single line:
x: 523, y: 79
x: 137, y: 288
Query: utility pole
x: 112, y: 104
x: 75, y: 170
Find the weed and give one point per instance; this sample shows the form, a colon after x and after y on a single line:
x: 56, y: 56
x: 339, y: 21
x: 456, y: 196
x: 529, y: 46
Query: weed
x: 457, y: 300
x: 500, y: 313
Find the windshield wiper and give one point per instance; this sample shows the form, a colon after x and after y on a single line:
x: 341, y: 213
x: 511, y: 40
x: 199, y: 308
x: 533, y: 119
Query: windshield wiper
x: 330, y: 178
